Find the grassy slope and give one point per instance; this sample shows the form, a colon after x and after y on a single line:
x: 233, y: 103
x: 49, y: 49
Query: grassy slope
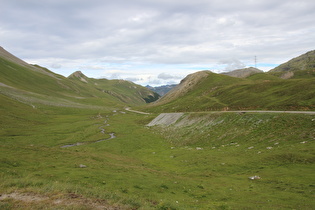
x: 35, y: 87
x: 123, y: 91
x: 157, y: 167
x: 236, y: 146
x: 260, y: 91
x: 302, y: 62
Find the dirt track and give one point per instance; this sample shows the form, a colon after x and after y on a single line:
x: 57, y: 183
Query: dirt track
x: 262, y: 111
x: 130, y: 110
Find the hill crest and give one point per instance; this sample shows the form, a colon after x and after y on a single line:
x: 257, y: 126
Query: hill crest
x: 79, y: 75
x: 186, y: 85
x: 10, y: 57
x: 243, y: 73
x: 300, y: 63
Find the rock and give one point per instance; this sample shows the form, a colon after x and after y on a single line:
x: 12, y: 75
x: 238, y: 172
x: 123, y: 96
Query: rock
x: 254, y: 177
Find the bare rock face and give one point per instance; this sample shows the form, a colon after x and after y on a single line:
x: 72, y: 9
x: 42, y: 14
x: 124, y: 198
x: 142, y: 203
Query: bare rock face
x: 165, y: 119
x: 287, y: 75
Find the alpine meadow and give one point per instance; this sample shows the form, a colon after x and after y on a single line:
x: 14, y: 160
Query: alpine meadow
x: 239, y: 140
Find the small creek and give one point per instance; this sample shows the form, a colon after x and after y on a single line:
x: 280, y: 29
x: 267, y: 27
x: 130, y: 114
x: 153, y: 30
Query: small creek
x: 112, y: 136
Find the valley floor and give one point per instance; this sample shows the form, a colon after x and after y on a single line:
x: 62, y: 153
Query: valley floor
x: 201, y: 161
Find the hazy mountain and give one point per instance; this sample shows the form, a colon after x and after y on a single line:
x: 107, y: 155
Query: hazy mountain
x: 161, y: 90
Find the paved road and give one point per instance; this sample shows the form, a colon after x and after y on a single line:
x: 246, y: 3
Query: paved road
x: 263, y: 111
x: 241, y: 111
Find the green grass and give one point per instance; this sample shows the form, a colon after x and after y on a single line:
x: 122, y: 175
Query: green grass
x: 159, y: 167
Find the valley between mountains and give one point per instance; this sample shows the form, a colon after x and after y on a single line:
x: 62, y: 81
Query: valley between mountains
x: 241, y: 140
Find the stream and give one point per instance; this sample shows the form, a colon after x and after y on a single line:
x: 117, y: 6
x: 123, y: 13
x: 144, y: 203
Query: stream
x: 112, y: 136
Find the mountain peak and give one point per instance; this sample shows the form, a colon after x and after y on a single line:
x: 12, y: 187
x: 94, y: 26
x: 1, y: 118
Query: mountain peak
x: 187, y: 84
x: 243, y: 73
x: 78, y: 75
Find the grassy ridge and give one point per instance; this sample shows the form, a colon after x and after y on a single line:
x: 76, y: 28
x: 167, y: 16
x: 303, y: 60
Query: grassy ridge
x: 260, y: 91
x: 29, y: 86
x: 302, y: 62
x: 160, y: 167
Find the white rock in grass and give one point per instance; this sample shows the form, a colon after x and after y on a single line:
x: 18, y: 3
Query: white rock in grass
x: 254, y: 177
x: 82, y: 166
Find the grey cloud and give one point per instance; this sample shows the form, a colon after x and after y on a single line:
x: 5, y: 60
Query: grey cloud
x: 155, y: 82
x: 232, y: 64
x: 134, y: 79
x: 56, y: 66
x: 165, y: 76
x: 91, y: 67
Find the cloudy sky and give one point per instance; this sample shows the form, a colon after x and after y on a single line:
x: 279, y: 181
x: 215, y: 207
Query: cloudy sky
x: 156, y: 41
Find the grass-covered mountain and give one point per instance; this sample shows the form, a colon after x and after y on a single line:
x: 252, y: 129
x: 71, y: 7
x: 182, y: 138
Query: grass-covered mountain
x: 205, y: 91
x: 300, y: 63
x: 126, y: 91
x: 32, y: 84
x: 302, y: 66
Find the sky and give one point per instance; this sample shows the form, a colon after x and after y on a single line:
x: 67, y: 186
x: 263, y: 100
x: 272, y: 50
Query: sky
x: 156, y: 42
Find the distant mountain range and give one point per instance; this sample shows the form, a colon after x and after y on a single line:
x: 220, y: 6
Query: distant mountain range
x: 290, y: 86
x: 161, y: 90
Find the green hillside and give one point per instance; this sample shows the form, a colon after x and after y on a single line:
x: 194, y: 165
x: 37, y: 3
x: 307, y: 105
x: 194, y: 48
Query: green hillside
x: 300, y: 63
x: 37, y: 85
x: 221, y: 92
